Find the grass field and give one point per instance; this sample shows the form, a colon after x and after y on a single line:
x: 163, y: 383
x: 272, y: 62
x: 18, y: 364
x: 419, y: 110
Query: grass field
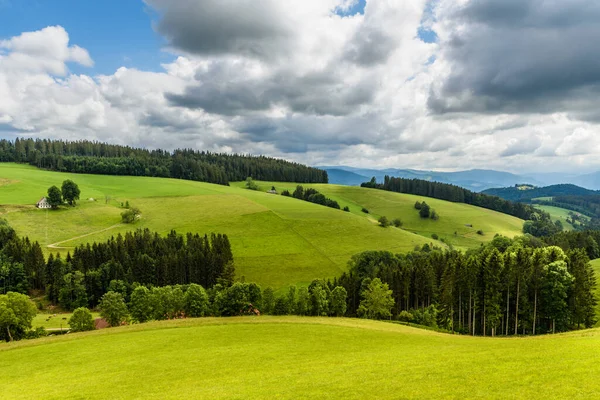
x: 55, y: 321
x: 559, y: 214
x: 452, y: 225
x: 276, y: 241
x: 295, y: 357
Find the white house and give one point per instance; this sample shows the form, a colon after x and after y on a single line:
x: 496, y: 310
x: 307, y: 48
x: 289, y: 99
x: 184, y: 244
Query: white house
x: 43, y: 203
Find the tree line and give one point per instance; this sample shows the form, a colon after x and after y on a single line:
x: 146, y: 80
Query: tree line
x: 313, y: 196
x: 108, y: 159
x: 508, y: 287
x: 457, y: 194
x: 142, y: 257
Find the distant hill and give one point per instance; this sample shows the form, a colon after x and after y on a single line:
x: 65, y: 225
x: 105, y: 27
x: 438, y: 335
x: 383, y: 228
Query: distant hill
x: 342, y: 177
x: 527, y: 194
x: 476, y: 179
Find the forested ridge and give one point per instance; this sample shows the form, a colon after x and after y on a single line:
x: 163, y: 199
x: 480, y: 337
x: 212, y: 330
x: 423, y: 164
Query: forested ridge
x: 108, y: 159
x: 514, y: 193
x: 457, y: 194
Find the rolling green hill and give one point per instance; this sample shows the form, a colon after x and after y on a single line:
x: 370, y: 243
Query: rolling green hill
x: 296, y: 357
x: 454, y: 217
x: 276, y: 240
x: 561, y: 214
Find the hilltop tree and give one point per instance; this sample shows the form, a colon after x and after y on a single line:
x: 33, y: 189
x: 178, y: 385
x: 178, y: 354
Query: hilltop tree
x: 54, y: 197
x: 70, y: 192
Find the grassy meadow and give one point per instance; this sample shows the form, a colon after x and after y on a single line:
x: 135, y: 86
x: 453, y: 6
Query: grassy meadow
x: 296, y: 357
x: 275, y: 240
x: 453, y: 225
x: 559, y: 214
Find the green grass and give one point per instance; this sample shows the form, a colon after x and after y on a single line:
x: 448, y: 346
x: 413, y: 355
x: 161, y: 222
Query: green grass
x: 55, y: 321
x: 296, y: 358
x: 559, y: 214
x: 454, y: 217
x: 276, y: 241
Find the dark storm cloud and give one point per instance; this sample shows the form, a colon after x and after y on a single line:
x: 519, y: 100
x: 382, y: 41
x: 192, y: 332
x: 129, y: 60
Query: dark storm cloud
x: 318, y: 93
x: 521, y: 56
x: 300, y: 133
x: 211, y: 27
x: 224, y: 99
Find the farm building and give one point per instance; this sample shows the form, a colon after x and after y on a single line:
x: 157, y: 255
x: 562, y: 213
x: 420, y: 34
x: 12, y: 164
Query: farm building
x: 43, y: 203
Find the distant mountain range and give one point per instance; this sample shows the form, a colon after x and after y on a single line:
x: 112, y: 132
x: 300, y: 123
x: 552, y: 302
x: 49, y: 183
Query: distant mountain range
x: 476, y: 180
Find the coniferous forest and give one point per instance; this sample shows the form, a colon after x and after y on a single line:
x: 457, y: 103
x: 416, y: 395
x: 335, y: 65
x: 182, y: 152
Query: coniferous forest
x: 509, y: 287
x: 80, y: 279
x: 108, y: 159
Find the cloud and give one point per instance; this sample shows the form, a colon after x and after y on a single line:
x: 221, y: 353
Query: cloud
x: 507, y: 84
x: 518, y: 56
x: 521, y: 146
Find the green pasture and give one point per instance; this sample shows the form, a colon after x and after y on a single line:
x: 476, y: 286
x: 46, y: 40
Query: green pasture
x: 453, y: 225
x: 276, y: 240
x: 559, y: 214
x: 55, y: 321
x: 297, y: 358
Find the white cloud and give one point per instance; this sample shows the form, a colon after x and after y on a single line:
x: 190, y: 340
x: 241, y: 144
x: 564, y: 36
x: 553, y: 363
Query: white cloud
x: 290, y: 79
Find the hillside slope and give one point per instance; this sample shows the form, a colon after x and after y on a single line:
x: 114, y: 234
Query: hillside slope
x: 297, y: 357
x: 458, y: 223
x: 276, y: 240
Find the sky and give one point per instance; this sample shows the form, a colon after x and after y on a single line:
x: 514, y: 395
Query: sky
x: 425, y: 84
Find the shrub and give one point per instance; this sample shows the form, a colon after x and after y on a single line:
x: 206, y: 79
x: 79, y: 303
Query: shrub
x: 435, y: 236
x: 405, y: 316
x: 424, y: 211
x: 250, y: 184
x: 397, y: 222
x: 418, y: 205
x: 480, y: 232
x: 286, y: 193
x: 347, y: 209
x: 81, y: 320
x: 365, y: 210
x: 384, y: 222
x: 131, y: 215
x: 434, y: 215
x: 36, y: 333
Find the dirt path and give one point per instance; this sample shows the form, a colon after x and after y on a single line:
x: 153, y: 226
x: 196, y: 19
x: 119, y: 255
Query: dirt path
x: 56, y: 245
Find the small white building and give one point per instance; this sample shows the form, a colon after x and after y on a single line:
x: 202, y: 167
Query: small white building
x: 43, y: 203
